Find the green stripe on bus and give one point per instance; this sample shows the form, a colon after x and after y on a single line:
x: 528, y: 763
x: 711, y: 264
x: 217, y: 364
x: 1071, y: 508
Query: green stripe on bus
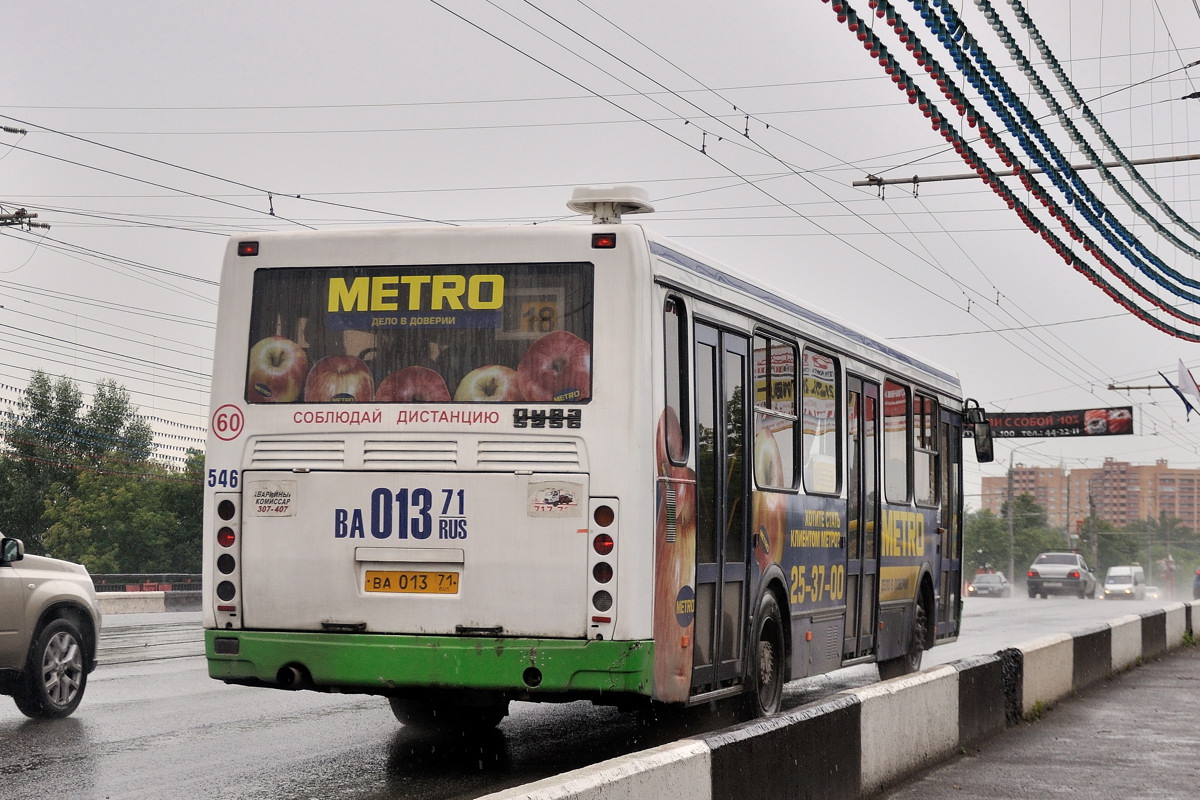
x: 380, y: 662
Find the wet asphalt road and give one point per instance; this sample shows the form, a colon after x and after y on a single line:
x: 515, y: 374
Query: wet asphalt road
x: 154, y: 725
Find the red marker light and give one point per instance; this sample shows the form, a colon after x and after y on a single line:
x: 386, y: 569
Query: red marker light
x: 226, y: 537
x: 604, y: 516
x: 247, y: 248
x: 604, y: 241
x: 602, y: 544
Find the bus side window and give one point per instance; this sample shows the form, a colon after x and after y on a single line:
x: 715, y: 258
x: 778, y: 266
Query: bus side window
x: 675, y: 339
x: 820, y: 446
x: 925, y: 451
x: 896, y: 452
x: 774, y: 413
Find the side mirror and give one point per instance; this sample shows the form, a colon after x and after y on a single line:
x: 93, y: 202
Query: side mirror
x: 11, y: 550
x: 984, y: 451
x: 974, y: 416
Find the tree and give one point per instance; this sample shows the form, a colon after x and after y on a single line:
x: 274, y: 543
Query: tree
x: 1031, y: 532
x: 985, y: 543
x: 80, y: 483
x: 986, y: 537
x: 20, y: 503
x: 112, y: 522
x: 112, y: 428
x: 1114, y: 547
x: 183, y: 496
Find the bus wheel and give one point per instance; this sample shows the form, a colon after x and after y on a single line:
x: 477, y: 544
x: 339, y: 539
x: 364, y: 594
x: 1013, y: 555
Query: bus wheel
x: 440, y: 713
x: 766, y: 675
x: 910, y: 662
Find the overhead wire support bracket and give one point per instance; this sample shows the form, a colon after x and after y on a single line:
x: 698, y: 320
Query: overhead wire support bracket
x: 1112, y: 387
x: 875, y: 180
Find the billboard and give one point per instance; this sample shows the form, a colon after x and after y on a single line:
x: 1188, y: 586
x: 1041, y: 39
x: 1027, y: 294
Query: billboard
x: 1081, y: 422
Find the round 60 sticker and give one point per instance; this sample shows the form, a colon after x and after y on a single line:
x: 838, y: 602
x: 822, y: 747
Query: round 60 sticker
x: 227, y: 422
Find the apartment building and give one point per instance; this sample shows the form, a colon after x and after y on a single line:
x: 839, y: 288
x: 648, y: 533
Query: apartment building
x: 1119, y: 492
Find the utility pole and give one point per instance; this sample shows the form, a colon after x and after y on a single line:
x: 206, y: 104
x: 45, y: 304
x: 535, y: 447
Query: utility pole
x: 1012, y: 575
x: 20, y: 217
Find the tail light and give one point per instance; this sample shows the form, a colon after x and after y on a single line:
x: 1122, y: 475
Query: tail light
x: 602, y: 587
x: 226, y: 555
x: 1033, y: 573
x: 1073, y: 573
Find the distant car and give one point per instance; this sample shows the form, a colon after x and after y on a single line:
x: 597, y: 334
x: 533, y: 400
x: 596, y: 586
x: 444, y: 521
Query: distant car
x: 49, y: 631
x: 1196, y: 586
x: 989, y: 584
x: 1125, y: 583
x: 1153, y: 593
x: 1060, y: 573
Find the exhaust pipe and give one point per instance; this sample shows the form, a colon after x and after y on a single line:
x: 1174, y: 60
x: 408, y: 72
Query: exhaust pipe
x: 293, y: 677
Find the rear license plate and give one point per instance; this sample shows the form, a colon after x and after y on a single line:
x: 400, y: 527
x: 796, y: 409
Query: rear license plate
x: 410, y: 582
x: 1054, y: 584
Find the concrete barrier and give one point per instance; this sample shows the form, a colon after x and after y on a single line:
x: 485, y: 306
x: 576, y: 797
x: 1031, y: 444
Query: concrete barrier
x: 1127, y: 646
x: 1047, y: 670
x: 143, y: 602
x: 982, y: 691
x: 863, y: 741
x: 1093, y: 657
x: 680, y: 769
x: 917, y: 712
x: 131, y: 602
x: 811, y: 751
x: 1178, y: 621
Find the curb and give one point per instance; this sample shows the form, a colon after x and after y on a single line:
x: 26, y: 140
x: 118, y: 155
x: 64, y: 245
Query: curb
x: 861, y: 742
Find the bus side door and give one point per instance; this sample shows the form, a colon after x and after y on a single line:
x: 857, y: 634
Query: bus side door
x: 722, y: 483
x: 950, y: 530
x: 862, y: 511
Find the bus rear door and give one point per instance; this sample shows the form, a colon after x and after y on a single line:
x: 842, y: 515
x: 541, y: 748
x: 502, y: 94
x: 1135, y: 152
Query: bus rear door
x: 721, y: 358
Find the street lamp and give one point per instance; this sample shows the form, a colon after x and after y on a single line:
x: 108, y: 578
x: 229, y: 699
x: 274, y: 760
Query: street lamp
x: 1012, y: 567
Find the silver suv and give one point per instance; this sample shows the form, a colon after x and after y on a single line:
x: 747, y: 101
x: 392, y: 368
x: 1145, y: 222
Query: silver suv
x: 49, y: 630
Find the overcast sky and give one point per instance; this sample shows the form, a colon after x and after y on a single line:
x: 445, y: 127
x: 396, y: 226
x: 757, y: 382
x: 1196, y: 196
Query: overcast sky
x: 156, y: 130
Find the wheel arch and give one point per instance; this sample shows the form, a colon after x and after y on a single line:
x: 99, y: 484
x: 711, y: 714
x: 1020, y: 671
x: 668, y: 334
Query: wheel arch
x: 774, y: 583
x: 927, y: 598
x: 78, y: 616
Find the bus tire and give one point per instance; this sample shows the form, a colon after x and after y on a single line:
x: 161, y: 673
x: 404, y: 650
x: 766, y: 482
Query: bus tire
x: 440, y: 713
x: 910, y: 662
x: 767, y: 671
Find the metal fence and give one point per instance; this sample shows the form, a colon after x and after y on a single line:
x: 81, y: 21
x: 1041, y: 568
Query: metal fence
x: 147, y: 582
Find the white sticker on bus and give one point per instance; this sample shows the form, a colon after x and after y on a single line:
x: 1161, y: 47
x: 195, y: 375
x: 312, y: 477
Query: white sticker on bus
x: 272, y: 498
x: 555, y: 499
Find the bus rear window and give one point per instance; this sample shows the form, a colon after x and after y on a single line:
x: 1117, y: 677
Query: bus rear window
x: 479, y: 333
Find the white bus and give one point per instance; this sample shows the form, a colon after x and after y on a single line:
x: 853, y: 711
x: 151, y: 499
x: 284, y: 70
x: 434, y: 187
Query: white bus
x: 462, y: 466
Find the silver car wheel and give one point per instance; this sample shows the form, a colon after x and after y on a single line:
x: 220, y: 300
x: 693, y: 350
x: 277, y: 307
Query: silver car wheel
x: 62, y: 668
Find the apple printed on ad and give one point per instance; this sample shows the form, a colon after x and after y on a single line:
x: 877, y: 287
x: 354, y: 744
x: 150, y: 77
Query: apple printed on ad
x: 505, y: 333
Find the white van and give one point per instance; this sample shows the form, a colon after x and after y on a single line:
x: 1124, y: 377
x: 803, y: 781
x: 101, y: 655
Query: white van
x: 1125, y: 583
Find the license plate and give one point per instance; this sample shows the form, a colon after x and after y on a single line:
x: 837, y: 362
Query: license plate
x: 411, y: 582
x: 1054, y: 584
